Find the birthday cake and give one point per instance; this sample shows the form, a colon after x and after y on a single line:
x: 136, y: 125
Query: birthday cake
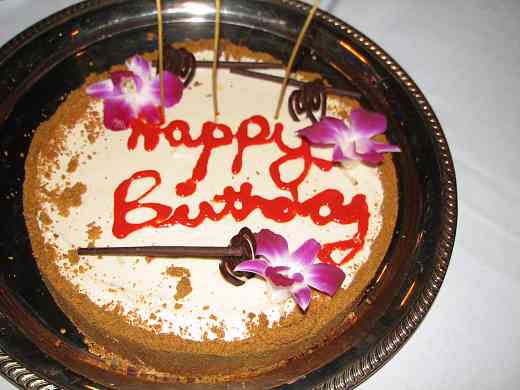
x: 317, y: 191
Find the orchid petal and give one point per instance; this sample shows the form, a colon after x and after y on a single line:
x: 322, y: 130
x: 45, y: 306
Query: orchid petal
x: 117, y: 114
x: 366, y: 123
x: 351, y: 142
x: 278, y: 279
x: 306, y: 253
x: 325, y: 132
x: 173, y: 89
x: 140, y: 67
x: 368, y: 146
x: 150, y: 113
x: 364, y: 145
x: 255, y: 266
x: 372, y: 152
x: 348, y: 152
x: 272, y: 246
x: 337, y: 154
x: 380, y: 147
x: 102, y: 90
x: 302, y: 297
x: 326, y: 278
x: 372, y: 158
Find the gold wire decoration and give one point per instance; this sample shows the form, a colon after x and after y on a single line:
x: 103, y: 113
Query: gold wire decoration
x: 161, y: 52
x: 293, y: 57
x: 216, y: 39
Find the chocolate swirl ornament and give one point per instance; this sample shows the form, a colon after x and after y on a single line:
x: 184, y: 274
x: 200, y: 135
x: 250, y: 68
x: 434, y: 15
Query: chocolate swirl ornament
x: 245, y: 239
x: 181, y: 63
x: 310, y: 98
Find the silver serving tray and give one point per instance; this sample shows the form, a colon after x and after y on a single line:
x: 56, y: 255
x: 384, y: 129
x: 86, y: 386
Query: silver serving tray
x: 54, y: 56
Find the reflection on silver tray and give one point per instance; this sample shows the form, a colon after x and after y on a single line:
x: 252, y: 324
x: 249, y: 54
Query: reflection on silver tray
x: 94, y: 35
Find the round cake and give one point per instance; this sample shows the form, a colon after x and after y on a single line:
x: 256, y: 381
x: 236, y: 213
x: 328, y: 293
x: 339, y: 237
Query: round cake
x: 112, y: 169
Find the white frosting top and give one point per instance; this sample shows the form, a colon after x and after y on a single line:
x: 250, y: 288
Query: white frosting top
x: 141, y: 288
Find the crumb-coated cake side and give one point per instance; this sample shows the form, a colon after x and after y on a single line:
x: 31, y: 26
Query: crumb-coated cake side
x: 107, y: 170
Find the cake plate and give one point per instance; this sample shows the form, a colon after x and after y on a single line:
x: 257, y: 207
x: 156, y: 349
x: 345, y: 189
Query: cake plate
x: 41, y: 349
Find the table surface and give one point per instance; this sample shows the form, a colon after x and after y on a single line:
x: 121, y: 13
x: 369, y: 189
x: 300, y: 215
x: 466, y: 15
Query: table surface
x: 464, y: 56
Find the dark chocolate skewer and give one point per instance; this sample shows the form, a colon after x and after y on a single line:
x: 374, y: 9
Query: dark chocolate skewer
x: 183, y: 63
x: 241, y: 65
x: 242, y: 247
x: 207, y: 252
x: 293, y: 82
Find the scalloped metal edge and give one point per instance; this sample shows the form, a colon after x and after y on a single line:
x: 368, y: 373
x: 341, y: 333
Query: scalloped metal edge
x: 363, y: 368
x: 16, y: 372
x: 21, y: 376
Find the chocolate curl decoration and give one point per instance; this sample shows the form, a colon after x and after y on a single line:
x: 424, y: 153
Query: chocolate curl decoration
x: 309, y: 98
x: 245, y: 239
x: 181, y: 63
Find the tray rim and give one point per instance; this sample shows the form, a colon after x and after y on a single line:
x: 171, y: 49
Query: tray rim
x: 15, y: 371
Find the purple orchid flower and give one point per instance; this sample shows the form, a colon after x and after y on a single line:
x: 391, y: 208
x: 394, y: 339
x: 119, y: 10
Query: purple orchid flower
x: 135, y: 93
x: 292, y: 273
x: 351, y: 142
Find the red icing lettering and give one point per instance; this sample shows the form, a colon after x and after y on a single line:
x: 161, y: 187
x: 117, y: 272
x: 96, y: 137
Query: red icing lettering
x: 242, y: 202
x: 122, y: 207
x: 244, y: 140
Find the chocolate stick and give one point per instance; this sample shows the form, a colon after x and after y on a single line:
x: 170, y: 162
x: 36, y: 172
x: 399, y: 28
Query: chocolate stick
x: 207, y: 252
x: 240, y: 65
x: 216, y: 41
x: 160, y: 42
x: 244, y: 68
x: 290, y: 64
x: 296, y: 83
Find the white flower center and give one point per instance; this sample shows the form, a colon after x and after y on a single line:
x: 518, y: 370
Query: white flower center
x: 128, y: 86
x: 345, y: 142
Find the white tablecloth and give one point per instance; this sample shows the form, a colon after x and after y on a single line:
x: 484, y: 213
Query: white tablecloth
x: 464, y: 55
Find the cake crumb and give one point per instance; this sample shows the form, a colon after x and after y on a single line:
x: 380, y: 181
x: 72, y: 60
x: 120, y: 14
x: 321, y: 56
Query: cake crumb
x: 70, y: 197
x: 45, y: 219
x: 263, y: 320
x: 178, y: 306
x: 94, y: 233
x: 219, y: 331
x: 93, y: 126
x: 73, y: 164
x: 183, y: 288
x: 73, y: 256
x: 205, y: 307
x: 177, y: 272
